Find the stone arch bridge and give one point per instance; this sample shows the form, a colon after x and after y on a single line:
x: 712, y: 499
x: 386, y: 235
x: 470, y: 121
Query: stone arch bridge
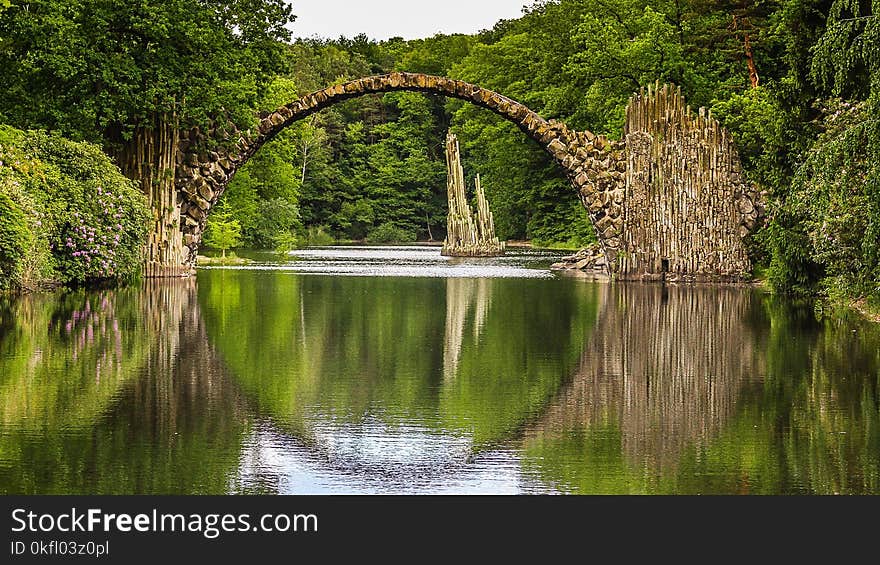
x: 667, y: 200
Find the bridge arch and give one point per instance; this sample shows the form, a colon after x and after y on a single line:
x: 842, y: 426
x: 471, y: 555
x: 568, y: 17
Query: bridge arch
x: 668, y: 200
x: 594, y: 165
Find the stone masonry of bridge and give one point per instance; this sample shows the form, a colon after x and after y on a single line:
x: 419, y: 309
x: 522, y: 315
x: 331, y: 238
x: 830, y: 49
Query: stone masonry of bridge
x: 667, y: 200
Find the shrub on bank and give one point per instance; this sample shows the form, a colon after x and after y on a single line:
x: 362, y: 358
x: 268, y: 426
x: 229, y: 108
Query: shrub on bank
x: 826, y: 234
x: 69, y: 211
x: 317, y: 236
x: 285, y: 242
x: 275, y: 216
x: 14, y: 238
x: 389, y: 233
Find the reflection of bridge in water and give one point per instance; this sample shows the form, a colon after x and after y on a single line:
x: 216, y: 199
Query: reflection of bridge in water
x: 171, y: 388
x: 193, y: 394
x: 665, y: 365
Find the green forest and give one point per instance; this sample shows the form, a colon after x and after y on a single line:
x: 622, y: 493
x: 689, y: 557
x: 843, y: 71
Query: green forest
x: 797, y: 83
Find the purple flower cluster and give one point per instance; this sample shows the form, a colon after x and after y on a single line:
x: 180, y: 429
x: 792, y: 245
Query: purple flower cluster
x: 95, y: 248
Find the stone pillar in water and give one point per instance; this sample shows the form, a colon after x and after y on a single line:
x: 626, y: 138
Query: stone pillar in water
x: 467, y: 235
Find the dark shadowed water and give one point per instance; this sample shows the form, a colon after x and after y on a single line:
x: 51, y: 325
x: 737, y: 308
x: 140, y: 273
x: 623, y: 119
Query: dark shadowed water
x: 393, y: 370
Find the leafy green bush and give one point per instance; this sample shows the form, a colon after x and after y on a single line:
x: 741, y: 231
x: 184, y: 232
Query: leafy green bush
x: 829, y: 233
x: 99, y: 216
x: 274, y: 216
x: 14, y: 236
x: 17, y: 171
x: 80, y: 219
x: 285, y: 241
x: 389, y: 233
x: 317, y: 236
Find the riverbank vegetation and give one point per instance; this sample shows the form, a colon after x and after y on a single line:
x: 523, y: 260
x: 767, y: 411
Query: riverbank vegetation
x: 122, y: 76
x: 68, y: 215
x: 797, y: 82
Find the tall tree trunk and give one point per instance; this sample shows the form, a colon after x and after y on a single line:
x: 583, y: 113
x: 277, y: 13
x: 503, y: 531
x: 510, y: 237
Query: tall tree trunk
x: 753, y: 69
x: 744, y: 24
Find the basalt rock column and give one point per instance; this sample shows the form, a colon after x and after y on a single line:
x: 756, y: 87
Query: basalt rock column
x: 466, y: 236
x: 486, y: 221
x: 150, y: 159
x: 461, y: 233
x: 687, y: 206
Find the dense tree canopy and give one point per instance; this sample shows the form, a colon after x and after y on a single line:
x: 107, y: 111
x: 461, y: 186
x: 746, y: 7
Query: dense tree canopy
x: 95, y: 69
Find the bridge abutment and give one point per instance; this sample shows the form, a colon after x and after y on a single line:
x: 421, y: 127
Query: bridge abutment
x: 687, y: 207
x: 151, y: 159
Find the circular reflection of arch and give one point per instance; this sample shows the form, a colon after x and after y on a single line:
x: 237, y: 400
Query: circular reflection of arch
x: 425, y: 395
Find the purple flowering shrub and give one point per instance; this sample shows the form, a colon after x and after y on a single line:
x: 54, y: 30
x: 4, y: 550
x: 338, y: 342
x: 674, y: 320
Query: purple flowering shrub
x: 87, y: 218
x: 101, y: 233
x: 99, y: 215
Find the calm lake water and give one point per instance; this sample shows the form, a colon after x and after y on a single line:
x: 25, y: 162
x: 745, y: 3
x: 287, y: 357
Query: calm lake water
x: 393, y: 370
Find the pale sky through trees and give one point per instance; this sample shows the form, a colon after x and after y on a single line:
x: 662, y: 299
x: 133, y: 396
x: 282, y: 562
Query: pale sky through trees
x: 382, y: 19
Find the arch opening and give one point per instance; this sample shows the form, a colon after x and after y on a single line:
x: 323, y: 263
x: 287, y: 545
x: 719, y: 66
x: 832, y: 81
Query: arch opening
x: 202, y: 176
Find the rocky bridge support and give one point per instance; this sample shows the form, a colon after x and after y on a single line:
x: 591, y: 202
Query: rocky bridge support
x: 667, y: 200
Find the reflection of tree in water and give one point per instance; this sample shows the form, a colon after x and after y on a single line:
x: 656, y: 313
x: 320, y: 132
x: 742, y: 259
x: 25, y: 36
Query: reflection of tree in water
x: 466, y: 299
x: 115, y: 392
x: 664, y: 366
x: 66, y: 354
x: 188, y: 415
